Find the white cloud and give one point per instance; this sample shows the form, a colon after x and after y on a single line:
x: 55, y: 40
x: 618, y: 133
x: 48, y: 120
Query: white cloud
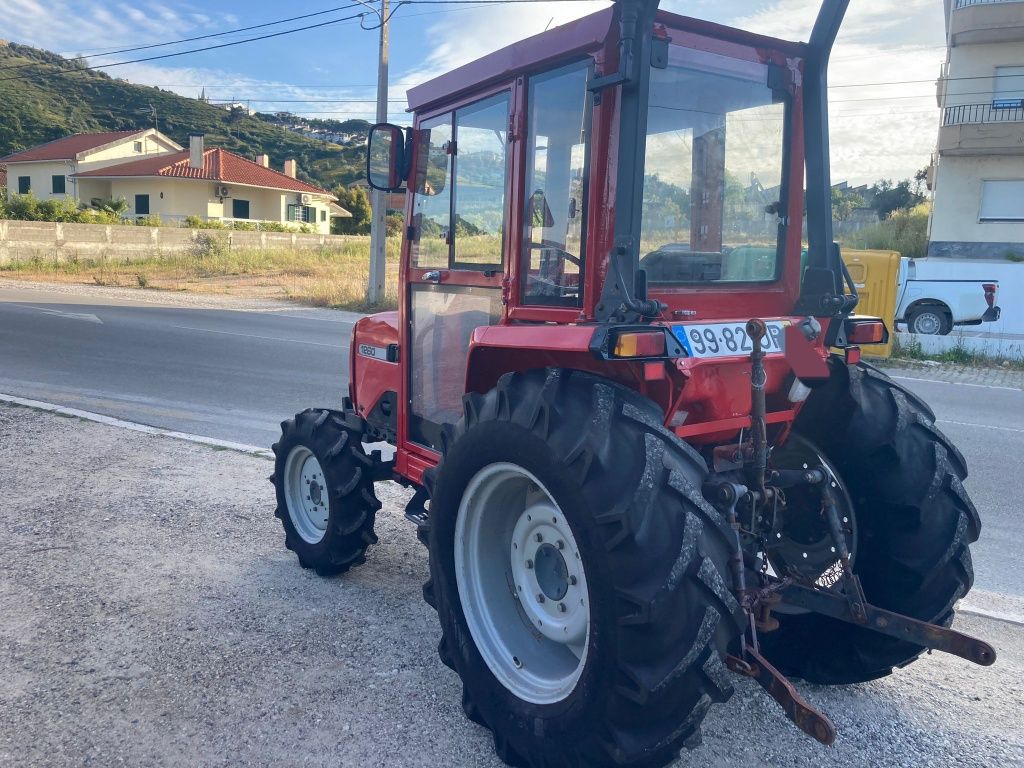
x: 881, y: 41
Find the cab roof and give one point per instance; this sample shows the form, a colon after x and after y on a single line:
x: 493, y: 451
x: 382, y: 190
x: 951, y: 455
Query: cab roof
x: 575, y: 38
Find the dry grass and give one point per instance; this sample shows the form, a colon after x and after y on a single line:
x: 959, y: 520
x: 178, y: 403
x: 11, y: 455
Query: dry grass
x: 335, y: 277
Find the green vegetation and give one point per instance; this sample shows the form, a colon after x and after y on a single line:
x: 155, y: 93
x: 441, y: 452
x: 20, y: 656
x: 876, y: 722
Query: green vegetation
x: 903, y: 231
x: 55, y: 97
x: 30, y: 208
x: 355, y: 201
x: 958, y: 355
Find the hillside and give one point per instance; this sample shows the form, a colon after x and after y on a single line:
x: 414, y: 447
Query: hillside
x: 56, y: 97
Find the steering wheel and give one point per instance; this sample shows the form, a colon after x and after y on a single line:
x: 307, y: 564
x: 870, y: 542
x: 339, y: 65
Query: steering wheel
x: 562, y: 253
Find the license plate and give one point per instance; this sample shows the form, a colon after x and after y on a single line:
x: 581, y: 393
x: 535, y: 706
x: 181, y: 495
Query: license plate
x: 728, y: 339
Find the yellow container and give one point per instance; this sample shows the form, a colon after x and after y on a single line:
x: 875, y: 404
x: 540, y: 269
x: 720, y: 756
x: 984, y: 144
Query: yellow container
x: 877, y: 277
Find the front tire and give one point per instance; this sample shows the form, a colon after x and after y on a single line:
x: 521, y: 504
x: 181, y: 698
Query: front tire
x: 914, y: 519
x: 633, y: 685
x: 324, y: 487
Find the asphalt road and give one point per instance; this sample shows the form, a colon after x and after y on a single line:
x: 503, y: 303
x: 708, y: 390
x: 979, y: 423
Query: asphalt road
x: 220, y: 373
x: 235, y: 375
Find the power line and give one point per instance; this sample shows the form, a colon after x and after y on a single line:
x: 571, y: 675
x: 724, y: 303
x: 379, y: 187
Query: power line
x: 206, y: 48
x: 193, y: 39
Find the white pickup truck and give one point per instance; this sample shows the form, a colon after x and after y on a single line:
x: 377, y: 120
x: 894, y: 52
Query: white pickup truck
x: 936, y: 294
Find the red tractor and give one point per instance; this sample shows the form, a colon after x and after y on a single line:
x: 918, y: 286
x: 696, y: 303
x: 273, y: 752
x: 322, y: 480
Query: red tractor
x: 644, y: 448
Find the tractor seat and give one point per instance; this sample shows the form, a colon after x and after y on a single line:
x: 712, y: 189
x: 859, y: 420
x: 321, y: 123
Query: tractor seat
x: 678, y: 264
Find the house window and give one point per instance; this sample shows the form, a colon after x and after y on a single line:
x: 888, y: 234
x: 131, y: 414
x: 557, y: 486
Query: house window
x: 24, y: 185
x: 239, y: 209
x: 323, y: 215
x: 1002, y: 200
x: 138, y: 147
x: 301, y: 213
x: 59, y: 185
x: 142, y: 205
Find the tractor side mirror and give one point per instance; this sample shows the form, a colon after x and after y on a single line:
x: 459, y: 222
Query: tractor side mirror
x: 385, y: 157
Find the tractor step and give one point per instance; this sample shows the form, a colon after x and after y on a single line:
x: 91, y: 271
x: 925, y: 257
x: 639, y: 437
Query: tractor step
x: 416, y: 512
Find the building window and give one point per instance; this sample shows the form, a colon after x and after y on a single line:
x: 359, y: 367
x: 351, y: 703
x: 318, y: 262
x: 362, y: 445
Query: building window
x: 301, y: 213
x: 142, y: 205
x: 239, y: 209
x: 323, y: 215
x: 138, y: 147
x: 1002, y: 200
x: 24, y: 185
x: 59, y: 185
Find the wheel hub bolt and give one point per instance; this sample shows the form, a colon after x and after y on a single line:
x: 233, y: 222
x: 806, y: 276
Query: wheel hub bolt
x: 529, y: 565
x: 540, y: 538
x: 561, y: 545
x: 540, y: 597
x: 561, y: 607
x: 572, y: 580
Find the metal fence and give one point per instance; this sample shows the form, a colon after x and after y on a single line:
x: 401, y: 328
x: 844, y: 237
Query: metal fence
x: 967, y: 3
x: 983, y: 113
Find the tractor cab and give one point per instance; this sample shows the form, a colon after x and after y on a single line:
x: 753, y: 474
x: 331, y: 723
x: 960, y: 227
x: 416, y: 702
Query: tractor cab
x: 568, y: 205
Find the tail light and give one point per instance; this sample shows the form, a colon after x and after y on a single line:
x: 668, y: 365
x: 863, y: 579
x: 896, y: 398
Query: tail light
x: 639, y: 344
x: 866, y: 331
x: 990, y: 293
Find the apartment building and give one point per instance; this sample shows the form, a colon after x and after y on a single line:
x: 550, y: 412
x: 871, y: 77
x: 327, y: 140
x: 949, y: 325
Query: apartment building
x: 978, y: 170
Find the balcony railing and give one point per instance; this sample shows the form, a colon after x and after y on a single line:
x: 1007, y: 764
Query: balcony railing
x: 1008, y: 111
x: 968, y: 3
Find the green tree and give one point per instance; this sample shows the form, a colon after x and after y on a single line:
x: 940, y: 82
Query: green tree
x: 844, y: 203
x: 355, y: 201
x: 888, y: 197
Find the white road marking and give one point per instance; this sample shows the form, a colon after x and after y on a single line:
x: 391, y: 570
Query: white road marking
x: 70, y: 315
x: 956, y: 383
x: 110, y: 421
x: 979, y: 426
x: 256, y: 336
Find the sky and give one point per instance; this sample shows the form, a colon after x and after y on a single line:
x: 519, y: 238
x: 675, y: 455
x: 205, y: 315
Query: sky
x: 878, y: 130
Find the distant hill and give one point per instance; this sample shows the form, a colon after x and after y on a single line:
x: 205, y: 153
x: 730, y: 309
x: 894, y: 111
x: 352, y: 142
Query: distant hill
x: 56, y: 97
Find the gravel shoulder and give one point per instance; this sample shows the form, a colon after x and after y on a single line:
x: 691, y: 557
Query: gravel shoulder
x: 151, y: 616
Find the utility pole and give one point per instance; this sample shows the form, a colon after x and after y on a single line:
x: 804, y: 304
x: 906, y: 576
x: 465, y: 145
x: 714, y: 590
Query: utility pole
x: 378, y: 201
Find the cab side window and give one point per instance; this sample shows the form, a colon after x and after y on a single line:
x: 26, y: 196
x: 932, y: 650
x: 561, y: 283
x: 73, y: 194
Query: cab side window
x: 459, y: 212
x: 556, y: 187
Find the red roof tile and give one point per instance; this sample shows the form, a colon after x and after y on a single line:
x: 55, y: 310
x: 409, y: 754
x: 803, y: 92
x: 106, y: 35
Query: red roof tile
x: 218, y: 165
x: 68, y: 147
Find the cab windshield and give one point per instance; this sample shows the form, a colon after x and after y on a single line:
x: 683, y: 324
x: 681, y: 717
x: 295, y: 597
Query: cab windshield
x: 713, y: 185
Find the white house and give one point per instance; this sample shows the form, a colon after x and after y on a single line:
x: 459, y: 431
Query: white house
x: 978, y: 178
x: 163, y: 179
x: 48, y: 171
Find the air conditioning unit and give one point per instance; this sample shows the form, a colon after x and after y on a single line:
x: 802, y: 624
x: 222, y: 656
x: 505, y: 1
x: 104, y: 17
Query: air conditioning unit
x: 223, y: 191
x: 306, y: 199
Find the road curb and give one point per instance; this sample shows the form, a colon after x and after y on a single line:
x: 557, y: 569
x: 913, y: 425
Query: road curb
x: 110, y: 421
x: 1006, y: 618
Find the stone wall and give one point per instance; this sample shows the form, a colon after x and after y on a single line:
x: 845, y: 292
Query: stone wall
x: 20, y: 240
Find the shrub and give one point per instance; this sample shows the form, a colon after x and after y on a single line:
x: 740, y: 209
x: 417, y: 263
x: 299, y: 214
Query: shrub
x: 208, y: 246
x: 903, y: 231
x: 153, y: 220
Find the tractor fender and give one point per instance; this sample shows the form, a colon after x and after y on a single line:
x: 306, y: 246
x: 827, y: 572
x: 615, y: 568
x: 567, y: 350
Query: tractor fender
x: 499, y: 349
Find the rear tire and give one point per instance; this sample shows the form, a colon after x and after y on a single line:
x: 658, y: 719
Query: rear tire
x: 324, y: 486
x: 930, y: 320
x: 654, y: 556
x: 915, y: 524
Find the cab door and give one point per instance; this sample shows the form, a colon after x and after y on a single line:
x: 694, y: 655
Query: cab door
x: 457, y: 244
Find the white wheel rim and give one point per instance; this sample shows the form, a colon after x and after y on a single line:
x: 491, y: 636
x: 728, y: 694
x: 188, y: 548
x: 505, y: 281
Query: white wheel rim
x: 522, y: 584
x: 306, y: 494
